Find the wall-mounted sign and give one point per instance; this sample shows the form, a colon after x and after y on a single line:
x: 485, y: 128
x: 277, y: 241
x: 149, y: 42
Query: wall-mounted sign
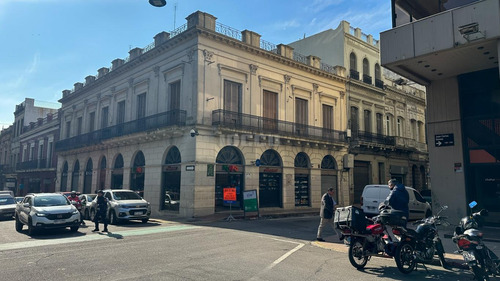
x: 190, y: 168
x: 210, y: 170
x: 444, y: 140
x: 458, y: 168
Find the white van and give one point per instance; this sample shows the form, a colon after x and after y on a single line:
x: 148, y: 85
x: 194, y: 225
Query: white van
x: 10, y: 192
x: 374, y: 194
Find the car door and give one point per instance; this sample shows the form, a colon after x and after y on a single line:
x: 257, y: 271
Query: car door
x: 25, y: 210
x: 417, y: 209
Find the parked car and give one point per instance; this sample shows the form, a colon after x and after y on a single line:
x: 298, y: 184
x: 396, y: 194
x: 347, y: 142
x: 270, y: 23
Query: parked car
x: 46, y: 211
x: 169, y: 203
x: 7, y: 206
x: 374, y: 194
x: 86, y: 204
x: 124, y: 204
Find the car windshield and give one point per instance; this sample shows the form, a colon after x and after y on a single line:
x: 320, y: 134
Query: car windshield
x: 7, y: 200
x: 123, y: 195
x: 46, y: 201
x: 91, y: 197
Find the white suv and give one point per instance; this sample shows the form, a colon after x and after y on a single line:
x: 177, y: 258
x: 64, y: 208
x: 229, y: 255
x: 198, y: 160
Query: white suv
x: 124, y: 204
x: 46, y: 211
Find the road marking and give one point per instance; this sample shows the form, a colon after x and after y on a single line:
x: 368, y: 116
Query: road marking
x: 93, y: 237
x: 280, y: 259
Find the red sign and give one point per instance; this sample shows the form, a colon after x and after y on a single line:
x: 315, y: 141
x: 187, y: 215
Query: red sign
x: 230, y: 194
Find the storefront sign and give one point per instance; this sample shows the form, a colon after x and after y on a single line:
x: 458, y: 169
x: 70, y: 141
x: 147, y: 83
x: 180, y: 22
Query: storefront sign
x: 210, y: 170
x: 230, y: 194
x: 170, y: 168
x: 270, y: 170
x: 250, y: 200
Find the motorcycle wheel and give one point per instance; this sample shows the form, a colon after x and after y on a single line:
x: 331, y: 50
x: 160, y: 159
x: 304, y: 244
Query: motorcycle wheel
x: 479, y: 273
x: 404, y: 257
x: 356, y: 254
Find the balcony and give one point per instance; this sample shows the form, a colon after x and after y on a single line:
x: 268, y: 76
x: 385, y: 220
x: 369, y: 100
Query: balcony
x: 367, y: 79
x: 32, y: 165
x: 354, y: 74
x: 166, y: 119
x: 372, y: 138
x: 260, y: 125
x: 410, y: 144
x: 379, y: 83
x: 5, y: 169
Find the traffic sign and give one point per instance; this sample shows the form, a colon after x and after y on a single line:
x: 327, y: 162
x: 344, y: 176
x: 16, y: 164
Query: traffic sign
x: 444, y: 140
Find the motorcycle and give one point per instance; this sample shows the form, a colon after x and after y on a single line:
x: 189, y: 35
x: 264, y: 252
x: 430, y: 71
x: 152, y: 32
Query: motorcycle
x: 420, y: 245
x: 367, y: 240
x: 481, y: 260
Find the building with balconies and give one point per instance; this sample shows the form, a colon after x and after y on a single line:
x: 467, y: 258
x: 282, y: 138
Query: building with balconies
x: 452, y: 47
x: 204, y: 110
x: 386, y: 119
x: 7, y: 176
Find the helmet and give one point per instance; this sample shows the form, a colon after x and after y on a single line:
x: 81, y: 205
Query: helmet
x: 73, y: 193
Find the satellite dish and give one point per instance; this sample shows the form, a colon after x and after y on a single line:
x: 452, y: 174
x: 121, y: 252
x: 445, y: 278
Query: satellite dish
x: 158, y: 3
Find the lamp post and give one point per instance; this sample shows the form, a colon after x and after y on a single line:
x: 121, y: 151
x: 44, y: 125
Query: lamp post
x: 158, y: 3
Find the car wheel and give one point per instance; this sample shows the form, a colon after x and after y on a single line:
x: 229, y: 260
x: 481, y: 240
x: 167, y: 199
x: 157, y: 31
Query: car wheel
x: 31, y: 228
x: 113, y: 218
x: 19, y: 224
x: 74, y: 228
x: 145, y: 220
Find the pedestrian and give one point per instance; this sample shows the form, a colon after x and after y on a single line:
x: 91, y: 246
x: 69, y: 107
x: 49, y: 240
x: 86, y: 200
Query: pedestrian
x: 398, y: 198
x: 326, y: 212
x: 101, y: 212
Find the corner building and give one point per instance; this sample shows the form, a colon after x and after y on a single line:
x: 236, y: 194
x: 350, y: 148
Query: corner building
x: 203, y: 108
x: 452, y: 47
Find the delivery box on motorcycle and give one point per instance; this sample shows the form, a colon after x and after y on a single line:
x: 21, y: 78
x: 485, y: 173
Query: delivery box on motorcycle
x: 350, y: 217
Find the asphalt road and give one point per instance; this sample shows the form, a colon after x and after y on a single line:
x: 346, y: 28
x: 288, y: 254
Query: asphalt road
x: 266, y: 249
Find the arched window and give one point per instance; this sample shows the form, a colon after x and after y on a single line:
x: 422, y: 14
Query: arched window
x: 377, y: 71
x: 366, y: 67
x: 400, y: 126
x: 352, y: 62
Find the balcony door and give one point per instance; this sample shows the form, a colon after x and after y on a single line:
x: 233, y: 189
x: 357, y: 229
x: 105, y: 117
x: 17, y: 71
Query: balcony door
x: 232, y: 102
x: 270, y: 111
x: 300, y: 116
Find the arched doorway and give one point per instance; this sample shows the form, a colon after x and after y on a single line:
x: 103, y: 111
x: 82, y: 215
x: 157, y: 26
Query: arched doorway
x: 117, y: 173
x: 229, y: 173
x: 137, y: 174
x: 171, y: 177
x: 87, y: 179
x: 270, y: 179
x: 76, y: 176
x: 329, y: 176
x: 302, y: 182
x: 102, y: 173
x: 64, y: 177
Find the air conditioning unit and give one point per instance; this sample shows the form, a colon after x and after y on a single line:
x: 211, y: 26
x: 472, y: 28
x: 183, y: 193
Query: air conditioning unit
x: 348, y: 161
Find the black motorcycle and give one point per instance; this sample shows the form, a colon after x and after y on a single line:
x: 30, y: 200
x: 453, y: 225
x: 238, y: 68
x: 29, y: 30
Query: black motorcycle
x: 481, y: 260
x: 420, y: 245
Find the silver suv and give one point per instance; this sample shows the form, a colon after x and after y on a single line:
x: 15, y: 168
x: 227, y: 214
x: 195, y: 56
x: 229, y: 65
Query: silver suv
x: 46, y: 211
x: 124, y: 204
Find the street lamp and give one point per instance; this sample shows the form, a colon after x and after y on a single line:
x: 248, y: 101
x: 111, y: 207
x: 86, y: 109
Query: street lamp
x: 158, y: 3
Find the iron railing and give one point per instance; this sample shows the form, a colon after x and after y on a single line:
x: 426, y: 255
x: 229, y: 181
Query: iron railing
x: 372, y: 138
x: 260, y: 125
x: 367, y: 79
x: 165, y: 119
x: 354, y: 74
x: 33, y: 165
x: 379, y: 83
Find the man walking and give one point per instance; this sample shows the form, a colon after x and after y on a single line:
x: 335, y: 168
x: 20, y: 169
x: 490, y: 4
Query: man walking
x: 326, y: 212
x: 102, y: 210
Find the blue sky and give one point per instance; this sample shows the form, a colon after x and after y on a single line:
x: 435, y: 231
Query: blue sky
x: 48, y: 45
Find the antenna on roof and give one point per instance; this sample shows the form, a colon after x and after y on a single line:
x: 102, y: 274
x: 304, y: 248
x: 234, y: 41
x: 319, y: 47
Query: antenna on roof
x: 175, y: 12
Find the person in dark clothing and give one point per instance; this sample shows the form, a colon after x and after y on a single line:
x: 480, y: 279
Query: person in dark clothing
x: 102, y: 210
x: 398, y: 198
x: 326, y: 212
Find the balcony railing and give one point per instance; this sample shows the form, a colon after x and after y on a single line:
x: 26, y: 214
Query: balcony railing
x: 165, y: 119
x: 6, y: 168
x: 33, y: 165
x: 354, y: 74
x: 261, y: 125
x: 367, y: 79
x: 412, y: 144
x: 379, y: 83
x: 373, y: 138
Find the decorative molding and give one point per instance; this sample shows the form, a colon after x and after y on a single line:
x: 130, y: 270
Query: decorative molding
x: 342, y: 94
x: 190, y: 54
x: 315, y: 87
x: 130, y: 82
x: 156, y: 70
x: 287, y: 78
x: 263, y: 78
x: 367, y: 103
x: 234, y: 69
x: 178, y: 67
x: 208, y: 56
x: 353, y: 99
x: 253, y: 69
x: 295, y: 88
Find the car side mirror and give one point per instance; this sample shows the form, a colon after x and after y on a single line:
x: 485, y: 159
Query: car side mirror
x: 26, y: 205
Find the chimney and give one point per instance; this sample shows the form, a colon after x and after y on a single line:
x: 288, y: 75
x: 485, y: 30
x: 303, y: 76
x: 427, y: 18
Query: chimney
x: 89, y: 79
x: 201, y: 19
x: 116, y: 63
x: 78, y: 86
x: 135, y: 52
x: 102, y: 71
x: 285, y: 51
x: 161, y: 38
x: 66, y: 92
x: 251, y: 38
x: 314, y: 61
